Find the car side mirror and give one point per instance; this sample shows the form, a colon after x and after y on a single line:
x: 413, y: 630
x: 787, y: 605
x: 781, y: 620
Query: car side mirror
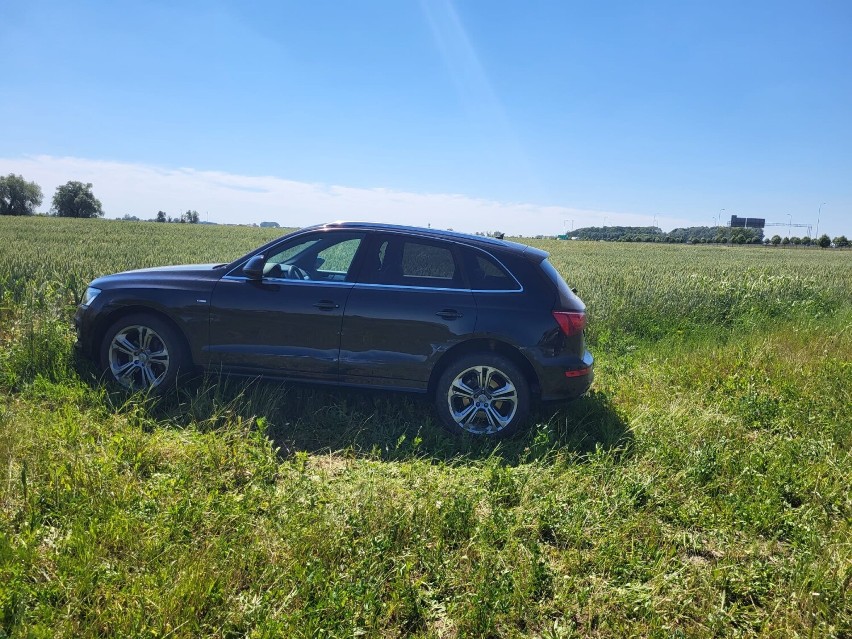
x: 254, y: 267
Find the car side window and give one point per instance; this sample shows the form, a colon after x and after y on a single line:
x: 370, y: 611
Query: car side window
x: 287, y: 253
x: 324, y: 257
x: 337, y: 258
x: 411, y: 262
x: 487, y: 274
x: 426, y: 260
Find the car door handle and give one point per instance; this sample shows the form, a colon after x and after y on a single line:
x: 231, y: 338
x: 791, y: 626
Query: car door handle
x: 326, y: 305
x: 449, y: 314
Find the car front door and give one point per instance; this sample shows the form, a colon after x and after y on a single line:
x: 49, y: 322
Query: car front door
x: 410, y: 304
x: 288, y: 322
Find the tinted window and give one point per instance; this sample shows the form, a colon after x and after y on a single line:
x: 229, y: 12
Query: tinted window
x: 319, y: 257
x: 426, y: 260
x: 405, y: 262
x: 338, y: 257
x: 487, y: 274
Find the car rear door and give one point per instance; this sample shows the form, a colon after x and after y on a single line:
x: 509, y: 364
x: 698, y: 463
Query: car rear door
x: 409, y: 305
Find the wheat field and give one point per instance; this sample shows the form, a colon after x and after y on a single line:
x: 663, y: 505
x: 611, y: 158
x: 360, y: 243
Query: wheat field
x: 701, y: 489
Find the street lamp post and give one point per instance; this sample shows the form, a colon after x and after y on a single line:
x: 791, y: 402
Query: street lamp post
x: 719, y: 217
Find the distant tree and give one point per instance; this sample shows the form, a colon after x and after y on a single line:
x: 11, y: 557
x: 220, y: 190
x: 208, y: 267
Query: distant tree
x: 841, y: 242
x: 75, y: 199
x: 776, y: 240
x: 767, y: 241
x: 785, y: 241
x: 795, y: 240
x: 824, y: 241
x: 129, y: 218
x: 17, y: 196
x: 270, y: 225
x: 161, y: 216
x: 190, y: 217
x: 806, y: 241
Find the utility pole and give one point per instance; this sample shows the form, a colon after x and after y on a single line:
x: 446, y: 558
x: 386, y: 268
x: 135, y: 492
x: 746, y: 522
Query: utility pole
x: 816, y: 235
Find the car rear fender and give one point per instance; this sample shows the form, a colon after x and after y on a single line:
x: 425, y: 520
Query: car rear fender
x: 485, y: 345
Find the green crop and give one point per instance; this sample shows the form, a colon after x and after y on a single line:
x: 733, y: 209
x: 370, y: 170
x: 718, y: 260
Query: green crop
x: 701, y: 489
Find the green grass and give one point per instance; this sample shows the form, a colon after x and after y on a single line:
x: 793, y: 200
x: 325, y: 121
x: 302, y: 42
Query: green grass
x: 701, y: 489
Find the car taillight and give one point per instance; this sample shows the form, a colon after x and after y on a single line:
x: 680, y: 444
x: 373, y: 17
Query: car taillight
x: 571, y: 322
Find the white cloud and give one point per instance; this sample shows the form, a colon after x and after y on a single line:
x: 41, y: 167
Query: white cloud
x: 142, y: 190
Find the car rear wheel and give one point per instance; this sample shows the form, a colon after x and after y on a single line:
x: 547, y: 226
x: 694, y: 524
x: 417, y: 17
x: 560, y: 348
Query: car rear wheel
x: 142, y: 352
x: 483, y: 394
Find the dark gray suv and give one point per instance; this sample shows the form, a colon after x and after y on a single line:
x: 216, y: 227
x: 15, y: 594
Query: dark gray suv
x: 484, y: 326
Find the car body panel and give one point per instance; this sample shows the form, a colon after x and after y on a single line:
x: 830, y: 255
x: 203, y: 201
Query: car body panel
x: 287, y: 328
x: 180, y: 293
x: 398, y: 333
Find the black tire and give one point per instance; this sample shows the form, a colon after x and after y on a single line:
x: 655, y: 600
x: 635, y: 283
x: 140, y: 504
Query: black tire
x: 143, y: 352
x: 482, y: 394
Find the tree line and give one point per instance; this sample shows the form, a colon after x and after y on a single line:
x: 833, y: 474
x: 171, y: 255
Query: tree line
x: 72, y: 199
x: 700, y: 235
x: 76, y: 199
x: 690, y: 235
x: 823, y: 241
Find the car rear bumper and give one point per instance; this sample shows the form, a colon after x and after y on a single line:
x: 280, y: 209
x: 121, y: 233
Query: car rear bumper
x: 564, y: 378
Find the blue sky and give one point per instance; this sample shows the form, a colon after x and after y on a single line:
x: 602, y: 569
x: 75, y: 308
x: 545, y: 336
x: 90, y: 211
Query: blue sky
x: 478, y: 114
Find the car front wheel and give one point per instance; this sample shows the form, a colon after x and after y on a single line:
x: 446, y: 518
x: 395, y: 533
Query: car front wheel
x: 483, y: 394
x: 142, y: 352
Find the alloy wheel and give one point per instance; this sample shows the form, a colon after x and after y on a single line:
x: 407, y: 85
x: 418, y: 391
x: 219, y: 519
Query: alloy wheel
x: 138, y: 357
x: 482, y: 400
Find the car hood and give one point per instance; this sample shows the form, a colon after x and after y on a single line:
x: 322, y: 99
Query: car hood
x: 167, y: 276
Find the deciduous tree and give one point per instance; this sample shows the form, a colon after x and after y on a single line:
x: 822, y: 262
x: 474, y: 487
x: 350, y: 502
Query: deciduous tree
x: 17, y: 196
x: 75, y: 199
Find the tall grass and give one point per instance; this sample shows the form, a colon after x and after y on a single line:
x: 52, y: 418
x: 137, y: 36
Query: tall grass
x: 702, y: 488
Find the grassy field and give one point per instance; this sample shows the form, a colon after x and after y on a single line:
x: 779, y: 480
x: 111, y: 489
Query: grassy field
x: 701, y: 489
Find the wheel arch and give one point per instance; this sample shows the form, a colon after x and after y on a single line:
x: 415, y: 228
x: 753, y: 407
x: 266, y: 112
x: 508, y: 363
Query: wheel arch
x: 486, y: 345
x: 105, y: 322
